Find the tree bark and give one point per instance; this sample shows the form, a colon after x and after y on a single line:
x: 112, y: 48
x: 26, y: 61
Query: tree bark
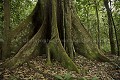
x: 116, y: 36
x: 98, y: 26
x: 26, y: 51
x: 83, y: 42
x: 111, y: 37
x: 68, y: 26
x: 6, y: 52
x: 55, y: 44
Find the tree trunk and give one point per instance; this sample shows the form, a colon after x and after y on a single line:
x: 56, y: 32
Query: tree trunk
x: 68, y: 26
x: 116, y: 36
x: 6, y: 52
x: 98, y: 26
x: 1, y: 44
x: 111, y: 37
x: 83, y: 41
x: 56, y: 29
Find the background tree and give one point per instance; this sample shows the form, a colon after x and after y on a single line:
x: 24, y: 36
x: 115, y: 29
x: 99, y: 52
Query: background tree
x: 111, y: 37
x: 98, y: 23
x: 6, y: 33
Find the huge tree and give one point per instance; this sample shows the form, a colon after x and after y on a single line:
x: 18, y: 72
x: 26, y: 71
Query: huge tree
x: 57, y: 29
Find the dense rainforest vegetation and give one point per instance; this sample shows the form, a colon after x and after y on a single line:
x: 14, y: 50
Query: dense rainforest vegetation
x: 59, y: 40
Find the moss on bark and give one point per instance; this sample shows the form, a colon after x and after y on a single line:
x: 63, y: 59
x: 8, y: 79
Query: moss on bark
x: 26, y: 51
x: 83, y: 42
x: 55, y: 44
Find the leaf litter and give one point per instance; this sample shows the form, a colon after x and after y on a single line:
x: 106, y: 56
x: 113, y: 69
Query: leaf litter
x: 36, y: 69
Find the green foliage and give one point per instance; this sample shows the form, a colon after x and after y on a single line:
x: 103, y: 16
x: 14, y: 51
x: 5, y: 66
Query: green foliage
x: 64, y: 77
x: 87, y: 14
x: 83, y: 78
x: 67, y: 77
x: 58, y: 77
x: 94, y: 78
x: 19, y: 10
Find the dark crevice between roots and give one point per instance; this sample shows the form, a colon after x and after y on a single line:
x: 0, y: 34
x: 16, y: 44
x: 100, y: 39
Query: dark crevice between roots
x: 60, y: 21
x: 36, y: 20
x: 49, y: 13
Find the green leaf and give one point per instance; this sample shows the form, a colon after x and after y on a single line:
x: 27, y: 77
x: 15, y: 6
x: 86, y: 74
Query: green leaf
x: 83, y: 78
x: 67, y: 77
x: 95, y: 78
x: 58, y: 77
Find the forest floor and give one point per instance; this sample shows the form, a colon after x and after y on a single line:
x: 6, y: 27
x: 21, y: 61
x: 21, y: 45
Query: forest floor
x: 36, y: 69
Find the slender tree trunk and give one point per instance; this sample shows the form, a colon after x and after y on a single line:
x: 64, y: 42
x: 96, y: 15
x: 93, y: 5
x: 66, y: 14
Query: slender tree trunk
x: 116, y: 36
x: 98, y: 24
x: 1, y: 40
x: 118, y: 33
x: 6, y: 33
x: 88, y: 21
x: 111, y: 36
